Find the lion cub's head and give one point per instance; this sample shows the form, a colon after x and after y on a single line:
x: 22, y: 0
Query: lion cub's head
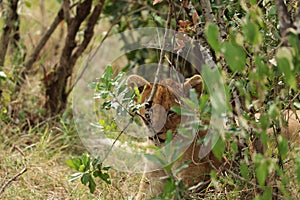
x: 168, y: 94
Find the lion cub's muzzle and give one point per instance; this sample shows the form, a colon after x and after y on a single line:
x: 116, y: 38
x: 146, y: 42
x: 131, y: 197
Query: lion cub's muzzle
x: 157, y: 118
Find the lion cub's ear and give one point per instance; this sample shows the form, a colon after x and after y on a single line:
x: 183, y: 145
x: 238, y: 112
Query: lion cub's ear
x: 138, y: 81
x: 194, y: 82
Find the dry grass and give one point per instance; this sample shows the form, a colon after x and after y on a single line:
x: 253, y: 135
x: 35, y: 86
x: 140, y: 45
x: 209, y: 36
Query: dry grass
x: 43, y: 151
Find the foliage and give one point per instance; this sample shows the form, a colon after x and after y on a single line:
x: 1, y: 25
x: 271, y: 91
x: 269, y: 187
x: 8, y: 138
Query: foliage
x: 260, y: 69
x: 263, y: 79
x: 88, y: 170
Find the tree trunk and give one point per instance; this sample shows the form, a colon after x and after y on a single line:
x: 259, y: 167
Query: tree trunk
x: 56, y: 81
x: 11, y: 19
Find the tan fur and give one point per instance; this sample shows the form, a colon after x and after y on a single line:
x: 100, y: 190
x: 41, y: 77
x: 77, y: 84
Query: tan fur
x: 292, y: 129
x: 290, y: 126
x: 198, y: 170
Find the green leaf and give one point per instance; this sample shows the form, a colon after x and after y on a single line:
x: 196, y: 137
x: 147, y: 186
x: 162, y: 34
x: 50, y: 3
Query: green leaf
x: 180, y: 168
x: 264, y: 121
x: 212, y: 35
x: 284, y: 59
x: 283, y: 146
x: 92, y: 185
x: 169, y: 187
x: 235, y: 56
x: 252, y: 33
x: 219, y: 149
x: 156, y: 158
x: 267, y: 194
x: 82, y: 168
x: 108, y: 73
x: 286, y: 53
x: 98, y: 165
x: 190, y: 103
x: 106, y: 105
x: 244, y: 171
x: 272, y: 11
x: 261, y: 173
x: 234, y: 147
x: 194, y: 97
x: 261, y: 169
x: 71, y: 164
x: 285, y: 67
x: 169, y: 136
x: 203, y: 102
x: 105, y: 177
x: 97, y: 173
x: 85, y: 178
x: 176, y: 109
x: 294, y: 42
x: 273, y: 111
x: 74, y: 163
x: 263, y: 71
x: 86, y: 161
x: 28, y: 4
x: 265, y: 138
x: 106, y: 168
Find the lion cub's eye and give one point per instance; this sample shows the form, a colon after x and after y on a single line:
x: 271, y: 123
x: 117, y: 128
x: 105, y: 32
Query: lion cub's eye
x: 171, y: 113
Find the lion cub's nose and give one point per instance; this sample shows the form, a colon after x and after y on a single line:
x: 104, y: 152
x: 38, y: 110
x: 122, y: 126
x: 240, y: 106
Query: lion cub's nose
x: 159, y: 117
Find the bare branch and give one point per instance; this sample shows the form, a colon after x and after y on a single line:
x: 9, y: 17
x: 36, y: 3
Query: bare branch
x: 91, y: 56
x: 83, y: 10
x: 297, y: 19
x: 89, y: 31
x: 66, y: 10
x: 32, y: 58
x: 284, y: 18
x: 207, y: 11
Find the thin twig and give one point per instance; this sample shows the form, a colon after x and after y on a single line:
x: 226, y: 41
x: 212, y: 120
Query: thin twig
x: 4, y: 186
x: 249, y: 182
x: 162, y: 55
x: 19, y: 150
x: 34, y: 55
x: 117, y: 138
x: 89, y: 31
x: 221, y: 23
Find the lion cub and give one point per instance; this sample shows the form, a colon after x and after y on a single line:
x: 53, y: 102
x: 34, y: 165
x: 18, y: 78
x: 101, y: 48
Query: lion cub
x: 163, y: 119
